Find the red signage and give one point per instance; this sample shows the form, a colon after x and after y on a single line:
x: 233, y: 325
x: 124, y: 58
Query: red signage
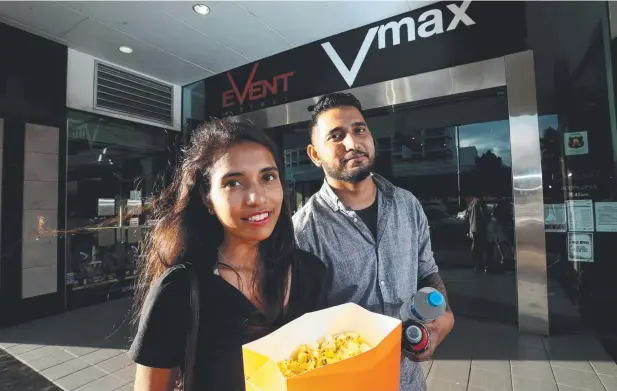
x: 255, y: 90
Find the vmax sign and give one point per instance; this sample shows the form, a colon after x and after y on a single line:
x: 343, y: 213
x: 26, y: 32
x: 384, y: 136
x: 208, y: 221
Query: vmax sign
x: 429, y: 23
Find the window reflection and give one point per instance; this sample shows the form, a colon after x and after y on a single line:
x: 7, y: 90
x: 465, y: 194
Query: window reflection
x: 447, y: 154
x: 113, y: 167
x: 487, y: 138
x: 443, y: 155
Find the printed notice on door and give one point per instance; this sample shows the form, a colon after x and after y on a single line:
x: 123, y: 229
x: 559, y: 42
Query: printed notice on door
x: 606, y: 216
x: 580, y: 247
x: 555, y: 218
x: 576, y: 143
x: 580, y: 215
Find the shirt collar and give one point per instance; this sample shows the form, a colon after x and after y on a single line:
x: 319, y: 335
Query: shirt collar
x: 329, y: 196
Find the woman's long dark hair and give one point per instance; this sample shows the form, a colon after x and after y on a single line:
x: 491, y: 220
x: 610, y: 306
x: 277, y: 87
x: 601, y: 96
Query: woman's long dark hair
x: 185, y: 231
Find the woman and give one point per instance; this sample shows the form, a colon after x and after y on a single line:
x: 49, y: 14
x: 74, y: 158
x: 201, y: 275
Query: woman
x: 226, y: 214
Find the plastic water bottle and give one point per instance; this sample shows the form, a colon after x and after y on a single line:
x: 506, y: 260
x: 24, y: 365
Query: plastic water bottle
x: 426, y: 305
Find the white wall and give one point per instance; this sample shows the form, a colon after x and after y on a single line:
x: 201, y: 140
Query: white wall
x: 80, y: 89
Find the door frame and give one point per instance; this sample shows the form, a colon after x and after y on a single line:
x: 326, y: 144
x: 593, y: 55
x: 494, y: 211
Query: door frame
x: 516, y: 72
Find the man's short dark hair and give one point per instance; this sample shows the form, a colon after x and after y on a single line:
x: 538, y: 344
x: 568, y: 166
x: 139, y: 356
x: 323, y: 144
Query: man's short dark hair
x: 331, y: 101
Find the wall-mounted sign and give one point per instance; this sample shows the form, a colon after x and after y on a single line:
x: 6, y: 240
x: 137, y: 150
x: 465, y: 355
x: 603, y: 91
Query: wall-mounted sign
x: 555, y: 218
x: 580, y: 247
x: 443, y: 35
x: 429, y: 23
x: 256, y: 90
x: 580, y: 215
x: 576, y: 143
x: 606, y: 216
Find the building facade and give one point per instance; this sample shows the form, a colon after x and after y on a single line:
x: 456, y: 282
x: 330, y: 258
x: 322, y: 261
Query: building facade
x: 513, y: 102
x: 84, y: 143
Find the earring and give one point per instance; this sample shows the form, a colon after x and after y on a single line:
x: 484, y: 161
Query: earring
x: 210, y: 211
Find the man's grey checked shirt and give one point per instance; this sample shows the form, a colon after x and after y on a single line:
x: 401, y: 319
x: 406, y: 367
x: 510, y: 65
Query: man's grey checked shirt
x: 379, y: 275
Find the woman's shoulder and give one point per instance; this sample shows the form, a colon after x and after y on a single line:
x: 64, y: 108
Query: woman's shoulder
x: 172, y: 283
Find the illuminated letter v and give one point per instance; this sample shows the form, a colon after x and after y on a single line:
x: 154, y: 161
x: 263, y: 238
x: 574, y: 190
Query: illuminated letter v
x: 234, y: 87
x: 350, y: 74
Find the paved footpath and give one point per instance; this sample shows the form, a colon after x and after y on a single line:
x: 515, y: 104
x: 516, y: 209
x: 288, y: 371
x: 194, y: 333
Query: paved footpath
x: 17, y: 376
x: 85, y: 350
x: 81, y: 350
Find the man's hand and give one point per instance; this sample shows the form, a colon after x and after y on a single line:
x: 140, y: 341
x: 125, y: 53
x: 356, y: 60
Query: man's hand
x: 440, y: 327
x: 438, y: 330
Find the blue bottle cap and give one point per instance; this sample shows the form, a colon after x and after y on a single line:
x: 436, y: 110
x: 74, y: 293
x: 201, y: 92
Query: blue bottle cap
x: 435, y: 299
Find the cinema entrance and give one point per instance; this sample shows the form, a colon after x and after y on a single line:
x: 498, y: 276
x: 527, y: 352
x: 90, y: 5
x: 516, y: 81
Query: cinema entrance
x: 457, y: 138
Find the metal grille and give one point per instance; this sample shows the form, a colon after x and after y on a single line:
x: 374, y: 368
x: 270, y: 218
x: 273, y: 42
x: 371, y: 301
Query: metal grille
x: 133, y: 95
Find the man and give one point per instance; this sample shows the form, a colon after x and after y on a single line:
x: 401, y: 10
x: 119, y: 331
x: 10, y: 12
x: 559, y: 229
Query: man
x: 372, y: 236
x: 477, y: 220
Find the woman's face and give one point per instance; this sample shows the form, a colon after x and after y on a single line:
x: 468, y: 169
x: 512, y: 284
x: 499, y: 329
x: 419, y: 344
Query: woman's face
x: 246, y: 193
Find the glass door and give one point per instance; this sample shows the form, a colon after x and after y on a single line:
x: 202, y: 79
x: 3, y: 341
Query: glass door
x: 454, y: 155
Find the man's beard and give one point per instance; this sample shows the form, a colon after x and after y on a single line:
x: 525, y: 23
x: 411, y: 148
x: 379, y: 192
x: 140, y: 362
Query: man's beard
x: 354, y: 175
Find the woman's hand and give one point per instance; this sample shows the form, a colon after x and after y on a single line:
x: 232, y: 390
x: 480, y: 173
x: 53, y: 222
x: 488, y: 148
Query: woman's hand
x: 154, y: 379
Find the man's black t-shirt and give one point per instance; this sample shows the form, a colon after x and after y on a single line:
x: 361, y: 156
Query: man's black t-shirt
x: 227, y: 321
x: 369, y: 216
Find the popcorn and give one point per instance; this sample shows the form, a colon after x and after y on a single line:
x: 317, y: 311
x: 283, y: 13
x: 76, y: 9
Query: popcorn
x: 328, y: 350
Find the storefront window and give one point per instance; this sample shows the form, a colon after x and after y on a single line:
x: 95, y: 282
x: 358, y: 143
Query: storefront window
x: 113, y: 169
x: 448, y: 151
x: 572, y: 78
x: 193, y: 107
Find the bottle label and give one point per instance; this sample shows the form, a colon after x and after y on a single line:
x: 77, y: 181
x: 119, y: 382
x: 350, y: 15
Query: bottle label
x: 415, y: 313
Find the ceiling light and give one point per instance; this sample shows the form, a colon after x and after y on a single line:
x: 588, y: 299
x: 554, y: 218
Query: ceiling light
x: 125, y: 49
x: 201, y: 9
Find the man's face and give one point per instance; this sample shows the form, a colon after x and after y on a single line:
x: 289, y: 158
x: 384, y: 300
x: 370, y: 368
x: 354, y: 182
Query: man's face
x: 343, y: 145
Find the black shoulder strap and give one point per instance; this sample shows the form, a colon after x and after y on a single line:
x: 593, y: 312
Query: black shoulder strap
x: 191, y: 338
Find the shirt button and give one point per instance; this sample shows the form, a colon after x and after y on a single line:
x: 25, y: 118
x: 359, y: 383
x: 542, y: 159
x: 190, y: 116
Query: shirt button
x: 355, y: 220
x: 383, y: 282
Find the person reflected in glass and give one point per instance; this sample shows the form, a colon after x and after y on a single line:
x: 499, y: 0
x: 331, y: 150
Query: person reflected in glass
x: 478, y: 218
x: 502, y: 249
x: 225, y: 213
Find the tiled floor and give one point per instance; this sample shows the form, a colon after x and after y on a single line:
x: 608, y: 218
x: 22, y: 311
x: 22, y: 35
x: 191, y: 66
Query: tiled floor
x: 81, y: 350
x: 85, y: 350
x: 487, y: 356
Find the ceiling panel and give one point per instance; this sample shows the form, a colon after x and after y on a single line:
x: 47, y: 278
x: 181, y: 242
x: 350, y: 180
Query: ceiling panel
x: 415, y: 4
x: 94, y: 38
x: 171, y: 35
x: 353, y: 14
x: 173, y: 43
x: 47, y: 16
x: 302, y: 28
x: 31, y: 29
x: 231, y: 24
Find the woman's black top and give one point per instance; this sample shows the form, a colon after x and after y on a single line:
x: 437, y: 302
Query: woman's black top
x: 227, y: 321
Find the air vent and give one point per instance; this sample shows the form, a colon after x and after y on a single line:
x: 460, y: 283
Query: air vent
x: 133, y: 95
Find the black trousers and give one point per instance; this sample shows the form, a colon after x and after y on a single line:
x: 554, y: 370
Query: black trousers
x: 479, y: 250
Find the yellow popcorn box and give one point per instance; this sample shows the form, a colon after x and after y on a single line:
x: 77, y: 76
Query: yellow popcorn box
x: 377, y: 369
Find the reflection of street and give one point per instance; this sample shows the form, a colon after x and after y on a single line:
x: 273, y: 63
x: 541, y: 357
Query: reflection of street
x: 94, y: 264
x: 475, y: 295
x: 448, y: 238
